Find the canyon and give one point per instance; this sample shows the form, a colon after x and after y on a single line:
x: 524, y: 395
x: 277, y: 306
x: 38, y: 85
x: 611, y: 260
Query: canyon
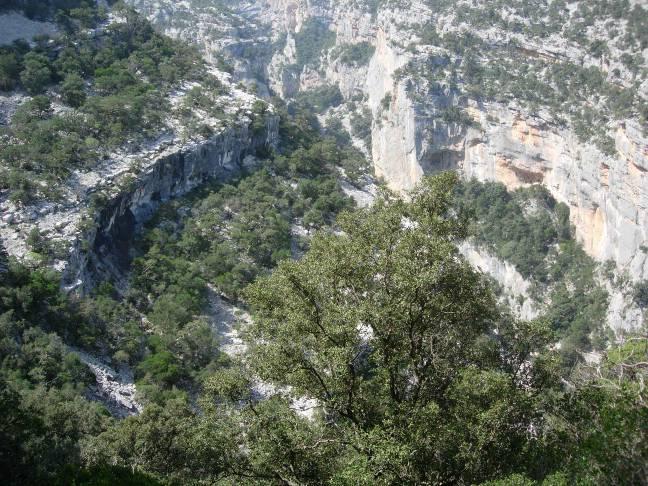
x: 323, y: 241
x: 605, y: 193
x: 501, y: 141
x: 409, y: 136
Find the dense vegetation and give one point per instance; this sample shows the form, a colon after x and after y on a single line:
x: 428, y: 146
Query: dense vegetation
x: 91, y: 93
x: 321, y: 98
x: 411, y: 384
x: 220, y: 240
x: 158, y: 328
x: 361, y: 126
x: 41, y: 382
x: 417, y: 375
x: 311, y: 41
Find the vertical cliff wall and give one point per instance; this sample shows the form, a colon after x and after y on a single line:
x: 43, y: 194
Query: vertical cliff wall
x: 106, y: 252
x: 606, y: 193
x: 414, y: 85
x: 94, y: 227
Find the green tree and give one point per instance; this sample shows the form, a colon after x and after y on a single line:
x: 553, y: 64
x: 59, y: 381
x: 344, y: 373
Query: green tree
x: 37, y: 73
x: 73, y: 90
x: 388, y: 329
x: 171, y: 442
x: 9, y: 70
x: 601, y: 427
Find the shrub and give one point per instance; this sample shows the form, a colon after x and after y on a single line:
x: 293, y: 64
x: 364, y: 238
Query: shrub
x: 73, y: 90
x: 9, y: 70
x: 37, y: 72
x: 355, y: 54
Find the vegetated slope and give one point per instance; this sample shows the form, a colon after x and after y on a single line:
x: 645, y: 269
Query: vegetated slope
x: 382, y: 324
x: 542, y: 92
x: 130, y: 72
x: 158, y: 329
x: 97, y: 112
x: 416, y: 374
x: 530, y: 230
x: 519, y: 93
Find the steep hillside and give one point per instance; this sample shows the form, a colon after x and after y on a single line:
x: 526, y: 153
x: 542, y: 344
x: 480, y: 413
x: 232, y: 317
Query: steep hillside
x: 206, y: 283
x: 100, y: 126
x: 522, y: 93
x: 538, y: 93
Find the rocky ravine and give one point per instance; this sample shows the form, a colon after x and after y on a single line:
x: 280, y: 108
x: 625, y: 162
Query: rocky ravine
x: 131, y: 186
x: 606, y: 194
x: 114, y: 388
x: 101, y: 209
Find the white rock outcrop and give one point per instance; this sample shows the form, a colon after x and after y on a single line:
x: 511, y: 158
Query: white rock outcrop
x: 114, y: 388
x: 607, y: 195
x: 515, y: 286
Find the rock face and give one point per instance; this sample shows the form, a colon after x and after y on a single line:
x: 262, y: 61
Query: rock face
x: 115, y: 389
x: 97, y: 237
x: 515, y: 286
x: 606, y: 194
x: 87, y: 227
x: 169, y: 176
x: 505, y: 141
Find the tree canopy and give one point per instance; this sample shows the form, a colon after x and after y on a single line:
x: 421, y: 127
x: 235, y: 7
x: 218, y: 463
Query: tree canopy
x: 389, y: 329
x: 380, y: 357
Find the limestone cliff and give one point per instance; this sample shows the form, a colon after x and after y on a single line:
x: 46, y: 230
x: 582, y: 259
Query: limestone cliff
x: 171, y: 174
x: 428, y: 114
x: 447, y: 90
x: 511, y: 145
x: 97, y: 240
x: 515, y: 289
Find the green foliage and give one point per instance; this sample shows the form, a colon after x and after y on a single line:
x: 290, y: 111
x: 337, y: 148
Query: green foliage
x: 41, y: 381
x: 73, y: 90
x: 386, y: 328
x: 353, y: 161
x: 361, y: 126
x: 321, y: 98
x: 641, y: 294
x: 382, y: 323
x: 84, y: 12
x: 358, y: 54
x: 179, y: 445
x: 4, y: 262
x: 604, y: 420
x: 417, y: 377
x: 529, y: 229
x: 501, y: 222
x: 311, y: 41
x: 37, y: 72
x: 9, y: 70
x: 219, y: 239
x: 117, y: 82
x: 249, y: 225
x: 105, y: 475
x: 160, y: 367
x: 455, y: 114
